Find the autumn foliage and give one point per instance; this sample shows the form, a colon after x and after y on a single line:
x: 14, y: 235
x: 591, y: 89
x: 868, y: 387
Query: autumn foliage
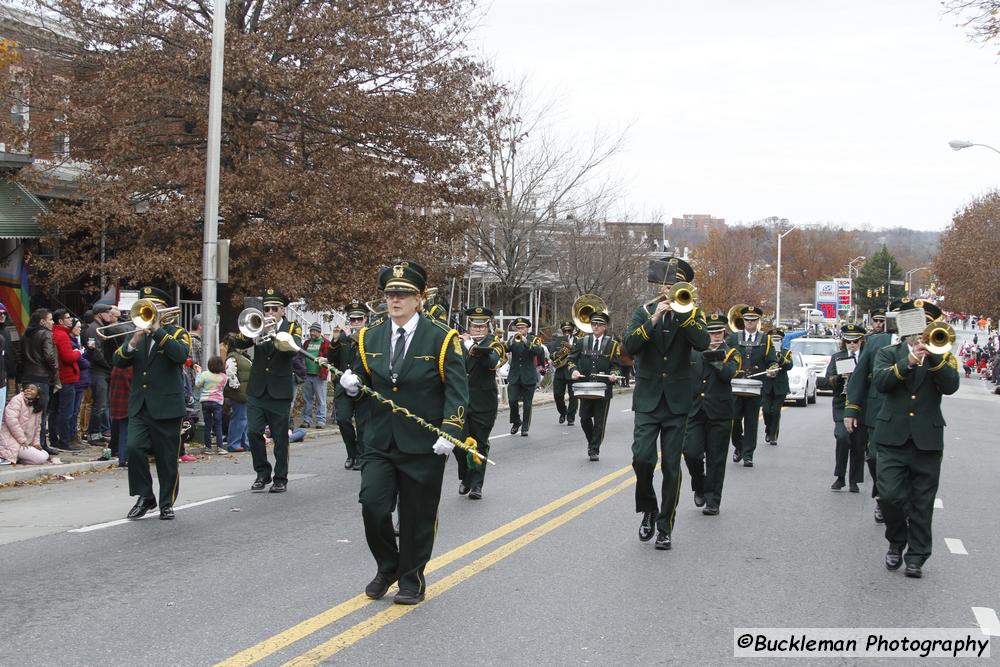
x: 966, y: 263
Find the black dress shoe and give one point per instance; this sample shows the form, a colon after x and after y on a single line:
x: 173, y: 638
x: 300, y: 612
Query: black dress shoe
x: 476, y: 493
x: 142, y: 505
x: 737, y: 456
x: 747, y: 463
x: 258, y: 485
x: 463, y: 488
x: 278, y: 487
x: 357, y: 464
x: 514, y: 428
x: 699, y: 500
x: 773, y: 443
x: 524, y: 434
x: 378, y: 586
x: 913, y: 571
x: 710, y: 511
x: 594, y: 457
x: 166, y: 513
x: 662, y: 541
x: 349, y: 464
x: 570, y: 422
x: 562, y: 419
x: 646, y: 528
x: 408, y: 597
x: 838, y: 484
x: 854, y: 488
x: 893, y: 558
x: 878, y: 513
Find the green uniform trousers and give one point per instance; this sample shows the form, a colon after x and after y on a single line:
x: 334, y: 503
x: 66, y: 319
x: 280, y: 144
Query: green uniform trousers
x: 706, y: 446
x: 349, y: 413
x: 771, y: 408
x: 478, y: 426
x: 559, y: 389
x: 162, y: 439
x: 593, y: 417
x: 523, y: 394
x: 849, y: 446
x: 871, y: 459
x: 669, y: 429
x: 907, y: 483
x: 416, y: 479
x: 273, y: 414
x: 747, y: 411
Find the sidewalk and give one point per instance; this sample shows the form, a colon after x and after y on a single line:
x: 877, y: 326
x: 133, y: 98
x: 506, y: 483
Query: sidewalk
x: 85, y: 461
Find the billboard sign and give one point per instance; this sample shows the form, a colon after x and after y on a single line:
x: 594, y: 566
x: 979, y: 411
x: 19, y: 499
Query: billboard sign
x: 826, y: 298
x: 843, y: 293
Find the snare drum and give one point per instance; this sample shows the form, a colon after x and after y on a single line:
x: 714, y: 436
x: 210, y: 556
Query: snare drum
x: 745, y: 387
x: 590, y: 391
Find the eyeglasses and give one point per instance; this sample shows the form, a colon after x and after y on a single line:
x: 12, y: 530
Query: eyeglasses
x: 271, y: 309
x: 357, y: 319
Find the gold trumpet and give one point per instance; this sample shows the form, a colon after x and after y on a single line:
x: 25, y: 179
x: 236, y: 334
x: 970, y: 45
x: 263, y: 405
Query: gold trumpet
x: 734, y: 319
x: 143, y: 314
x: 939, y: 337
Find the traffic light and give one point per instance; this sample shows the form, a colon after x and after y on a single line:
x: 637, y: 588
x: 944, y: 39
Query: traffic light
x: 906, y: 287
x: 869, y: 292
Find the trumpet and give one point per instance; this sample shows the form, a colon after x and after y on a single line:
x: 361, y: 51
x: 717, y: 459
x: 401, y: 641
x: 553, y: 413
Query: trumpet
x: 143, y: 314
x: 253, y: 323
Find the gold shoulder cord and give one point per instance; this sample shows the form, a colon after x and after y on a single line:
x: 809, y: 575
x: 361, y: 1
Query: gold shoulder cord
x: 444, y: 351
x: 361, y: 349
x: 739, y: 359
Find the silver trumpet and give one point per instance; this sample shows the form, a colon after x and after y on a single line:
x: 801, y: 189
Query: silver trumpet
x: 253, y: 323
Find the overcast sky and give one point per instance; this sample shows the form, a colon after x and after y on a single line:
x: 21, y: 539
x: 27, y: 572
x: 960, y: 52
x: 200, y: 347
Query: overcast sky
x: 813, y: 111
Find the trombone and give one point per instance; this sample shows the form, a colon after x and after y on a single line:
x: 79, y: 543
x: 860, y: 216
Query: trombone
x: 143, y: 314
x: 939, y: 337
x: 682, y: 296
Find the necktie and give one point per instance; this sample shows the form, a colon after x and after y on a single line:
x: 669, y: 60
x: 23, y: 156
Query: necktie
x: 397, y: 353
x: 597, y: 345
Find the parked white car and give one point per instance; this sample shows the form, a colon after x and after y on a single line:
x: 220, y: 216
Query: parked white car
x: 801, y: 382
x: 816, y: 352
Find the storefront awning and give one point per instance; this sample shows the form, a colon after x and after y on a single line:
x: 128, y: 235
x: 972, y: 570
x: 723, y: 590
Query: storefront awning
x: 19, y: 210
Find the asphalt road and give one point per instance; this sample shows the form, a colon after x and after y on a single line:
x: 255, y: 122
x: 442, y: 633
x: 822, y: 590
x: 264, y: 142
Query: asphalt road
x: 546, y: 569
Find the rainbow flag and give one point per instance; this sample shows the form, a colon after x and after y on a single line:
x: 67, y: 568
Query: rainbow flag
x: 14, y: 288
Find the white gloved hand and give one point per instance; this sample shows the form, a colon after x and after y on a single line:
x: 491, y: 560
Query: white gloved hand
x: 442, y: 447
x: 350, y: 382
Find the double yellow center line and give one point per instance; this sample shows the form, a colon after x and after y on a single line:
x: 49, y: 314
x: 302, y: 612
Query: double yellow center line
x: 370, y: 625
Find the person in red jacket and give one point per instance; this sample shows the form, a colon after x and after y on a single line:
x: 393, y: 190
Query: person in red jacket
x: 61, y: 418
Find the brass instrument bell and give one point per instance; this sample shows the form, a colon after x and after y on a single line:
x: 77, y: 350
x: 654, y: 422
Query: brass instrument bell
x: 584, y: 308
x: 735, y: 318
x: 939, y: 337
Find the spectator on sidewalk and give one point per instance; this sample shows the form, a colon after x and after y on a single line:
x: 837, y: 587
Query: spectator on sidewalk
x: 39, y: 364
x: 82, y: 385
x: 210, y: 383
x: 235, y: 392
x: 120, y: 388
x: 69, y: 375
x: 196, y: 354
x: 20, y: 433
x: 101, y: 354
x: 8, y: 364
x: 314, y: 389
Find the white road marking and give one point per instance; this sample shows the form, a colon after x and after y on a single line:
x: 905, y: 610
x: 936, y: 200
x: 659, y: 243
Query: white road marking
x: 627, y: 410
x: 502, y: 435
x: 938, y: 505
x: 118, y: 522
x: 986, y: 619
x: 955, y: 546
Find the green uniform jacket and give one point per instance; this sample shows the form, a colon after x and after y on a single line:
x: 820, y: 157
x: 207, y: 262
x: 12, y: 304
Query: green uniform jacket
x: 778, y: 385
x: 864, y: 400
x: 432, y: 382
x: 554, y: 346
x: 271, y: 372
x: 481, y: 366
x: 523, y: 357
x: 663, y: 357
x: 714, y: 394
x: 341, y: 352
x: 607, y: 361
x: 756, y: 358
x: 835, y: 383
x: 912, y: 405
x: 157, y: 374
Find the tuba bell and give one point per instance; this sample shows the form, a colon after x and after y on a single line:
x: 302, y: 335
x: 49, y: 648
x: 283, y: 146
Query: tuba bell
x: 734, y: 318
x: 939, y: 337
x: 585, y: 307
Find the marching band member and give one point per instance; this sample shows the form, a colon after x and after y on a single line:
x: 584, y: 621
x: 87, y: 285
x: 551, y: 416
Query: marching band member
x: 706, y: 438
x: 155, y: 407
x: 775, y: 389
x: 661, y: 341
x: 269, y: 396
x: 485, y: 353
x: 758, y: 355
x: 341, y: 352
x: 522, y: 379
x: 559, y: 349
x: 418, y: 363
x: 850, y: 444
x: 596, y: 352
x: 909, y: 436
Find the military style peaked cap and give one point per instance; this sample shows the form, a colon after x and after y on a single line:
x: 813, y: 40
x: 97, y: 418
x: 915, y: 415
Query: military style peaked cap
x: 155, y: 294
x: 522, y: 320
x: 273, y: 297
x: 405, y: 276
x: 751, y: 312
x: 356, y: 309
x: 600, y: 318
x: 878, y: 314
x: 567, y: 326
x: 658, y: 269
x: 716, y: 322
x: 479, y: 315
x: 852, y: 332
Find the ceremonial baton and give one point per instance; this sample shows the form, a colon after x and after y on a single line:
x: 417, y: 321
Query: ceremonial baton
x: 469, y: 445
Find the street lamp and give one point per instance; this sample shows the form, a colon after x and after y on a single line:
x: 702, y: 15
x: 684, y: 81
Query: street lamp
x: 958, y: 144
x: 850, y: 267
x: 777, y: 295
x: 909, y: 273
